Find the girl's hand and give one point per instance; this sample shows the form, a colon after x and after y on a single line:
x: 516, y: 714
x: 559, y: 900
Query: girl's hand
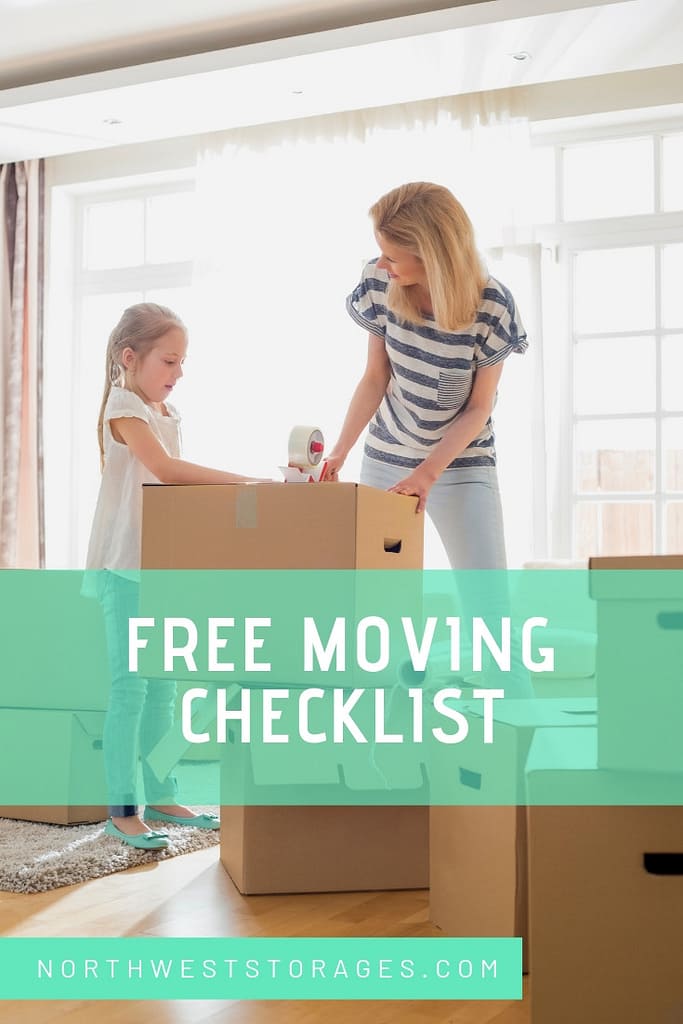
x: 419, y: 484
x: 334, y: 464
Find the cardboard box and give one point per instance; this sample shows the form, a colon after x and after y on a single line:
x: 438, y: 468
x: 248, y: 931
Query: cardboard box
x: 639, y: 662
x: 325, y: 849
x: 478, y: 868
x: 64, y: 663
x: 64, y: 815
x: 68, y: 744
x: 301, y: 829
x: 605, y: 898
x: 565, y: 601
x: 279, y: 526
x: 275, y: 526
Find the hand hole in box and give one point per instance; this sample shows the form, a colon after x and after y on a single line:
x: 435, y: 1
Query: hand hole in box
x: 392, y: 546
x: 663, y: 863
x: 670, y: 620
x: 470, y: 779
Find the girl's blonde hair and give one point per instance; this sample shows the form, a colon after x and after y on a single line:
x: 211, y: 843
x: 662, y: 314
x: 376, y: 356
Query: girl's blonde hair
x: 429, y: 221
x: 139, y: 328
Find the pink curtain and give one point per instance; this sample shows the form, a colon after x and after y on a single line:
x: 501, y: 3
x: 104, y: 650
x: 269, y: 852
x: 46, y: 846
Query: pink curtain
x: 22, y: 203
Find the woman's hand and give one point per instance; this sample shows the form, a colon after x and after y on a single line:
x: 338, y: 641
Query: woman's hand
x: 334, y: 462
x: 419, y: 484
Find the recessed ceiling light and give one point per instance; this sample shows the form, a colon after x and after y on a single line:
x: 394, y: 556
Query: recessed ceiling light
x: 297, y: 92
x: 521, y: 55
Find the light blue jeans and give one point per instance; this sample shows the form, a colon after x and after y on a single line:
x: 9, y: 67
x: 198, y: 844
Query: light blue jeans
x: 139, y: 713
x: 465, y: 507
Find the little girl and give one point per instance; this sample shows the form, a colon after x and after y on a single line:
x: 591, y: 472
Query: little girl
x: 139, y: 438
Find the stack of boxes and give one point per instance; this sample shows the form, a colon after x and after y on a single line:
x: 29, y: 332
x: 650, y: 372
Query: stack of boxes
x: 53, y: 696
x: 478, y: 850
x: 276, y: 848
x: 478, y: 853
x: 606, y: 882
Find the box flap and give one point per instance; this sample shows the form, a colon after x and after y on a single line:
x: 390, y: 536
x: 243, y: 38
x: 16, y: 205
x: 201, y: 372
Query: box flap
x: 535, y: 713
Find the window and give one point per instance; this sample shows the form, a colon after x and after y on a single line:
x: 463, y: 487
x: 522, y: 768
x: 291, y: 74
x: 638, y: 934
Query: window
x: 619, y: 243
x: 129, y: 245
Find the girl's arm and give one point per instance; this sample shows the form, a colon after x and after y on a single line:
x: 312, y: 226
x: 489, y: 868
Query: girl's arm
x: 464, y: 429
x: 146, y: 447
x: 366, y: 399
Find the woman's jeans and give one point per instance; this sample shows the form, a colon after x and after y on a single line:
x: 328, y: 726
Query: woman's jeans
x: 139, y: 713
x: 465, y: 507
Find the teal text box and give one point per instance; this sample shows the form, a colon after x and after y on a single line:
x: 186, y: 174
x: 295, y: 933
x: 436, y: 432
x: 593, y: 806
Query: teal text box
x: 260, y: 968
x: 408, y: 688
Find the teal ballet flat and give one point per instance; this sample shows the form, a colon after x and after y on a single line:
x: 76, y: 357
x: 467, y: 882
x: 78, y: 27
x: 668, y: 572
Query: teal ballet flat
x: 205, y: 820
x: 144, y: 841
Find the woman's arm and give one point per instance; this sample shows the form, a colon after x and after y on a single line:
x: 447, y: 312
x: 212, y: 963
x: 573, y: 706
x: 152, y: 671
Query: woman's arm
x: 465, y: 427
x: 364, y: 403
x: 147, y: 448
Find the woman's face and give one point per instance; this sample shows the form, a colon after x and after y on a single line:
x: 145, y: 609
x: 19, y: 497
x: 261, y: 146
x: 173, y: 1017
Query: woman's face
x: 401, y: 265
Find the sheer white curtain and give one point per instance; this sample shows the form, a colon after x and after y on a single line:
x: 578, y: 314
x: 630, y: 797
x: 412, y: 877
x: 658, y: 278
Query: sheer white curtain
x: 282, y: 233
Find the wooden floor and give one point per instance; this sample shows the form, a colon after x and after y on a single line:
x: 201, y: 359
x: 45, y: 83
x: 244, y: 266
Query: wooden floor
x: 192, y: 895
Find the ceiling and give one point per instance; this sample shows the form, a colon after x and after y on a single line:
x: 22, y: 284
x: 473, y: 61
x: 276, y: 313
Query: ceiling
x: 47, y: 39
x: 269, y: 73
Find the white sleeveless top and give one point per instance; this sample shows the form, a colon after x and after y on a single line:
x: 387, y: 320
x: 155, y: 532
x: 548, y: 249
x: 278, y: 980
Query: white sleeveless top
x: 116, y: 535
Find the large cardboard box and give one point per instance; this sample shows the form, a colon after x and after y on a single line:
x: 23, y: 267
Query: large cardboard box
x: 290, y: 848
x: 639, y: 662
x: 309, y: 824
x: 279, y: 526
x: 62, y: 659
x: 478, y: 856
x: 325, y: 849
x: 606, y: 894
x: 68, y: 744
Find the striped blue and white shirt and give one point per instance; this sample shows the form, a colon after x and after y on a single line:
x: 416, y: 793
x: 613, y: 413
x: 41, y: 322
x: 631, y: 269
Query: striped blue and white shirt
x: 432, y: 371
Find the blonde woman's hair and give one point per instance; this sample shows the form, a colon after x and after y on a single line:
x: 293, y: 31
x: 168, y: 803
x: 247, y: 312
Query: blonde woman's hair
x: 139, y: 328
x: 429, y: 221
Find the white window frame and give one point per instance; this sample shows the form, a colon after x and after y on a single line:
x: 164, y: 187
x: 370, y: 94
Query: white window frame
x: 560, y: 243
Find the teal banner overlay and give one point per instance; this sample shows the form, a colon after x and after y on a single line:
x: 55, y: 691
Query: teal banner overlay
x: 341, y: 688
x: 263, y: 968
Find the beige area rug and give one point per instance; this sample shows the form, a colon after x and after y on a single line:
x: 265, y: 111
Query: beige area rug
x: 37, y: 858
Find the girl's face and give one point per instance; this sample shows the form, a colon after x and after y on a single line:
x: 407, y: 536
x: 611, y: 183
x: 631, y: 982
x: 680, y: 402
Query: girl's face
x: 401, y: 265
x: 155, y: 374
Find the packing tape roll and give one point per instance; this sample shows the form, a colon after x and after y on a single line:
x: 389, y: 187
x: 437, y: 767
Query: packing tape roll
x: 306, y: 446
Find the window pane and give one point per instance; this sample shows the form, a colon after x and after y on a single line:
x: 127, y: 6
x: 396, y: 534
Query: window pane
x: 674, y: 527
x: 114, y: 235
x: 672, y: 283
x: 627, y: 363
x: 608, y: 179
x: 170, y: 227
x: 614, y: 290
x: 613, y: 528
x: 672, y: 172
x: 614, y: 456
x: 627, y: 528
x: 672, y: 373
x: 672, y: 454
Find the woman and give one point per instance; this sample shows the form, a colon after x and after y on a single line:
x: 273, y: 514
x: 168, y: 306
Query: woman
x: 439, y: 331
